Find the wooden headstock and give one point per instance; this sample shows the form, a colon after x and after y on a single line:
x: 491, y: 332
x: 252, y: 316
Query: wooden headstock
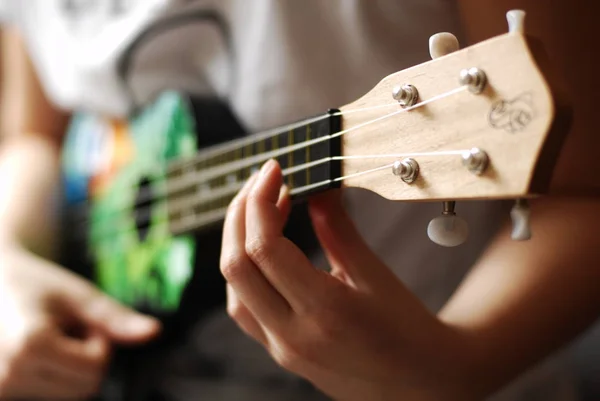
x: 518, y: 120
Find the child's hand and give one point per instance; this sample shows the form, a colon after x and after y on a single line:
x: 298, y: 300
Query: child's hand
x: 56, y: 330
x: 357, y: 333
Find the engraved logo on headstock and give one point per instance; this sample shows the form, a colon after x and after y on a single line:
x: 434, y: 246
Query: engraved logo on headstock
x: 512, y: 115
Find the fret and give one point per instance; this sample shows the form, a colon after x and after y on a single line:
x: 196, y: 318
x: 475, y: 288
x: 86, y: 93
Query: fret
x: 283, y: 141
x: 205, y: 198
x: 268, y: 144
x: 246, y: 153
x: 328, y: 169
x: 290, y: 159
x: 221, y: 180
x: 238, y: 156
x: 307, y: 158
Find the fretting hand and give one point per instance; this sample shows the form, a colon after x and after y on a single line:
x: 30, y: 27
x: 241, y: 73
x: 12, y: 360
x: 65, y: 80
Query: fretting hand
x: 356, y: 332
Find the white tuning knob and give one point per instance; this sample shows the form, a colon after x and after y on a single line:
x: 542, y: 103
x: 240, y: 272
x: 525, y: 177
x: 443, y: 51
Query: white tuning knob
x: 441, y: 44
x: 521, y: 230
x: 516, y: 21
x: 448, y: 230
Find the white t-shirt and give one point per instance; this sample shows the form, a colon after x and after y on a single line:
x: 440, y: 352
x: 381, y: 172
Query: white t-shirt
x: 275, y: 61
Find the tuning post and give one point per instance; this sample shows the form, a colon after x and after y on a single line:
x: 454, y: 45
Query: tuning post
x: 476, y: 160
x: 448, y: 230
x: 407, y: 95
x: 521, y: 228
x: 474, y: 78
x: 516, y: 21
x: 407, y: 170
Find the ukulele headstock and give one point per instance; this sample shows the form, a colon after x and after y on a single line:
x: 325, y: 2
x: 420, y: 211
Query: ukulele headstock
x: 481, y: 123
x: 484, y: 122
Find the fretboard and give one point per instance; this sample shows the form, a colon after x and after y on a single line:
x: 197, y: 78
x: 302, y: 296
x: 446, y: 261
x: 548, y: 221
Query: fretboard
x: 200, y: 188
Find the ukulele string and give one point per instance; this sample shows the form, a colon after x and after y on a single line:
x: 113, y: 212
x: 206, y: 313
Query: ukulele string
x: 305, y: 144
x: 179, y: 206
x: 166, y: 187
x: 207, y: 174
x: 205, y: 154
x: 199, y: 178
x: 258, y: 137
x: 217, y: 150
x: 233, y: 188
x: 195, y: 179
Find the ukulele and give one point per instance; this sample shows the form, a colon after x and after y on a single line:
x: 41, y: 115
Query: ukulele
x: 144, y: 197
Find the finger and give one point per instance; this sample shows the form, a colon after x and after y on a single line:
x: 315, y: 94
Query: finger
x: 243, y: 317
x: 245, y: 279
x: 121, y: 324
x: 243, y: 193
x: 85, y: 356
x: 96, y: 310
x: 284, y: 203
x: 343, y: 245
x: 281, y: 262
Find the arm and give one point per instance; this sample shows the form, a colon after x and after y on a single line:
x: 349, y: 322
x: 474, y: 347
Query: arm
x: 31, y: 130
x: 358, y: 333
x: 523, y: 300
x: 41, y: 303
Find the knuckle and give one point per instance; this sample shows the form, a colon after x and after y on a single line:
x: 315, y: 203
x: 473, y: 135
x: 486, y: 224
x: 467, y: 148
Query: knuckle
x: 233, y: 266
x: 287, y: 358
x: 99, y: 361
x: 29, y: 340
x: 299, y: 351
x: 234, y: 205
x: 235, y: 310
x: 329, y: 309
x: 325, y: 331
x: 23, y: 345
x: 314, y: 345
x: 259, y: 249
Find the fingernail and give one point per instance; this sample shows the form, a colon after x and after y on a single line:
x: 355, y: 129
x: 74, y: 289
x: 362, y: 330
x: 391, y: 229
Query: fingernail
x: 138, y: 325
x: 267, y: 167
x: 284, y: 191
x: 251, y: 179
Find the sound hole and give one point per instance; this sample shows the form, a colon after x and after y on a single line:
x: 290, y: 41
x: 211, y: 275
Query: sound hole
x: 143, y: 208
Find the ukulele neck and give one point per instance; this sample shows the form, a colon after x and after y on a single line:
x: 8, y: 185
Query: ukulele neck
x: 200, y: 188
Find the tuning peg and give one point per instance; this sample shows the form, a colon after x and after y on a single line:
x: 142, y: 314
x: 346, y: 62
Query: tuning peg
x: 442, y: 44
x: 516, y: 21
x: 448, y: 230
x: 521, y: 230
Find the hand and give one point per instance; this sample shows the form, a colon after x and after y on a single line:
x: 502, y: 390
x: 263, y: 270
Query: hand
x: 357, y: 333
x: 56, y: 330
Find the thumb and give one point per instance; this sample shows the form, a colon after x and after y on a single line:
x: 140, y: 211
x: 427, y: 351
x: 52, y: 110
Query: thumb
x: 98, y: 311
x: 347, y: 252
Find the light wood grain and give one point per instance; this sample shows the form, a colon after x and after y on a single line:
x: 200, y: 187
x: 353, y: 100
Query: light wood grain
x: 521, y: 162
